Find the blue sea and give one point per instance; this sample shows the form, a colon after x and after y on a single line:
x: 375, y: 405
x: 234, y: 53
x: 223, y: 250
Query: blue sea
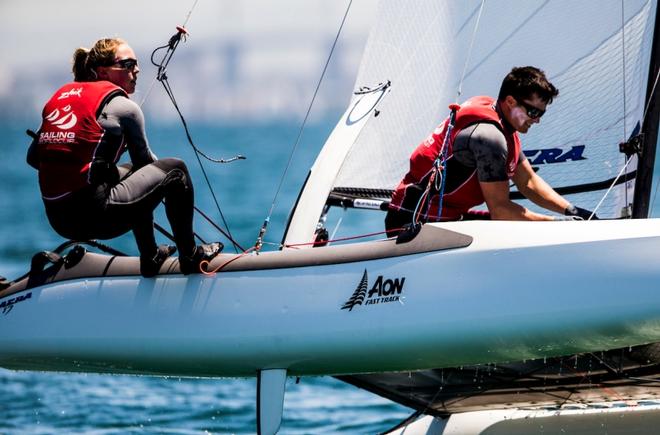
x: 45, y: 403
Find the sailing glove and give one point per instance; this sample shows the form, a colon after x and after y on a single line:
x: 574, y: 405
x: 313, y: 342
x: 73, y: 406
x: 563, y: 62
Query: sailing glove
x: 574, y: 211
x: 568, y: 218
x: 102, y: 171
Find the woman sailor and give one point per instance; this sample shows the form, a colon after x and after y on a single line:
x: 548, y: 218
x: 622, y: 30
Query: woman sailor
x: 87, y: 125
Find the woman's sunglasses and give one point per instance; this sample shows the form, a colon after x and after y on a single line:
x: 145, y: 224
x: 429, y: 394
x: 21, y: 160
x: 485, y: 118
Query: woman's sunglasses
x: 128, y: 64
x: 532, y: 112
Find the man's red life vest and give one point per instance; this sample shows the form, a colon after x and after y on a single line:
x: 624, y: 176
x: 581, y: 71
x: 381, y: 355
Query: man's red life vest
x: 468, y: 194
x: 69, y: 135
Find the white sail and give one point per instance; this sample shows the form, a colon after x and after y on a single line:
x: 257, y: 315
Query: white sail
x: 595, y: 51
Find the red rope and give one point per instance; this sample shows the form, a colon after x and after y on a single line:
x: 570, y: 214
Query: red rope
x: 294, y: 245
x: 205, y: 263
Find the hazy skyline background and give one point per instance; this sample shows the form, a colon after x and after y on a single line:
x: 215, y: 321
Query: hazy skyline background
x: 251, y: 59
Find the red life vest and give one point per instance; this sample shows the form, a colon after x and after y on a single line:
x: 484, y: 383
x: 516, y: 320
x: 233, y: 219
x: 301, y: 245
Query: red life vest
x: 69, y: 135
x: 468, y: 194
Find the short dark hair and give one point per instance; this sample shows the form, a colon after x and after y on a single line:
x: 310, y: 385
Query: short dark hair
x: 522, y: 82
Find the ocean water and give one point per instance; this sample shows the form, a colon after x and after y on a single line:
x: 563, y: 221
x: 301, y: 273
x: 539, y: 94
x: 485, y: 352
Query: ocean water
x: 45, y: 403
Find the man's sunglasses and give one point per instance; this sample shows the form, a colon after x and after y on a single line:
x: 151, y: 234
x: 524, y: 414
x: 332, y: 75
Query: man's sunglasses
x: 532, y: 112
x: 128, y: 64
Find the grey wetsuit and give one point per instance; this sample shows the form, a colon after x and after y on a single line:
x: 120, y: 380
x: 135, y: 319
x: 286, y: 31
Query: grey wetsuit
x: 481, y: 147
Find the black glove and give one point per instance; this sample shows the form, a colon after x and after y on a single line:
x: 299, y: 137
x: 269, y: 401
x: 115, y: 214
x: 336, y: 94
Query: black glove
x: 568, y: 218
x: 572, y: 211
x: 102, y: 171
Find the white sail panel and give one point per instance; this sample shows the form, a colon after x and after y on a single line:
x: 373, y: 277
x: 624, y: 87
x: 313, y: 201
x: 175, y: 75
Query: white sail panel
x: 422, y: 47
x: 418, y: 46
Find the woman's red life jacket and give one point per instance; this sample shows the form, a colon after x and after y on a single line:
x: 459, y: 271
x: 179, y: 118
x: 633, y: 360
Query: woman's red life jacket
x: 468, y: 193
x: 69, y: 136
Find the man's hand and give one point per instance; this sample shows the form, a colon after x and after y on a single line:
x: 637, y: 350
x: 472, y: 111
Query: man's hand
x: 584, y: 214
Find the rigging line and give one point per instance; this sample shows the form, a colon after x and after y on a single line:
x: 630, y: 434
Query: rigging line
x: 168, y: 90
x: 189, y: 14
x: 428, y: 29
x: 153, y: 81
x: 648, y: 104
x: 511, y: 378
x: 469, y: 53
x: 403, y: 423
x: 623, y: 66
x: 171, y: 46
x: 162, y: 77
x: 146, y: 94
x: 614, y: 183
x: 628, y: 160
x: 302, y: 127
x: 503, y: 42
x: 212, y: 222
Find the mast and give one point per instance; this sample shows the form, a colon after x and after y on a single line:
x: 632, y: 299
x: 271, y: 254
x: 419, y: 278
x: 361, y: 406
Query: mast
x: 644, y: 179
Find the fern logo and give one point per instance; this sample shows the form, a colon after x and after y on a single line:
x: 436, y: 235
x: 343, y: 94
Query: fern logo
x: 383, y: 291
x: 358, y: 295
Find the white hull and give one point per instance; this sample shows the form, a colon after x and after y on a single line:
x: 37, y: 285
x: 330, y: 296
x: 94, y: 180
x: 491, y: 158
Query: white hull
x: 622, y: 419
x: 519, y: 291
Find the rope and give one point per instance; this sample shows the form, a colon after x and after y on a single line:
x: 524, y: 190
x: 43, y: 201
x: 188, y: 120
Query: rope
x: 205, y: 263
x: 341, y: 239
x: 623, y: 66
x: 655, y: 83
x: 153, y: 81
x: 646, y: 109
x: 469, y: 54
x: 189, y: 14
x: 439, y: 171
x: 614, y: 183
x: 262, y: 232
x: 648, y: 103
x: 628, y: 160
x: 162, y: 77
x: 439, y: 166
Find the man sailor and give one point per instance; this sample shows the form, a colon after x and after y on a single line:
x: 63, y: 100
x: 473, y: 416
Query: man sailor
x: 483, y: 156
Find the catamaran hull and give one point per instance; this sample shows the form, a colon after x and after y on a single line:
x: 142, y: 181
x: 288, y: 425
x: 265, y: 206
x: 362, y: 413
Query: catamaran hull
x: 518, y: 291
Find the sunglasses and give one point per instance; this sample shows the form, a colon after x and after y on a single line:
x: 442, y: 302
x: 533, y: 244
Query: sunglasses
x: 532, y: 112
x: 128, y: 64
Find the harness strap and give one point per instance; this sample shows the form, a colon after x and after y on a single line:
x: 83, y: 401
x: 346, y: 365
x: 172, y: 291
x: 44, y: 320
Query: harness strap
x: 439, y: 171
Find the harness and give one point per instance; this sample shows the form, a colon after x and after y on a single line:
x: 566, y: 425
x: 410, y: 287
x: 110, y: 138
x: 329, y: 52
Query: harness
x: 427, y: 176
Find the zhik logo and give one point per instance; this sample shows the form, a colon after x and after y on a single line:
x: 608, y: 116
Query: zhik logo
x: 63, y: 121
x: 77, y: 92
x: 383, y: 291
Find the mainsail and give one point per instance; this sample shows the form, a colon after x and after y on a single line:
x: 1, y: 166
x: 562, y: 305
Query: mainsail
x: 596, y: 52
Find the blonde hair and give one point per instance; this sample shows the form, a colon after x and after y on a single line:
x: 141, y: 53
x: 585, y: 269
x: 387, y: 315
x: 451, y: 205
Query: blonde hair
x: 85, y: 61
